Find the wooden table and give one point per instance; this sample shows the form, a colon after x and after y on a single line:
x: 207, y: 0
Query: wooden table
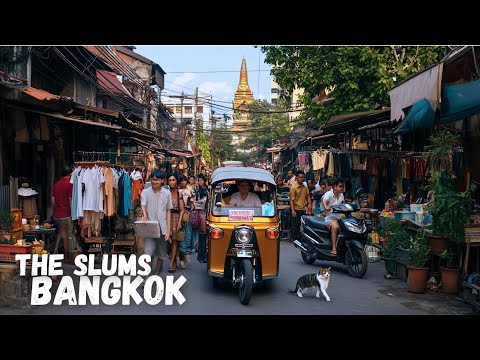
x: 44, y: 233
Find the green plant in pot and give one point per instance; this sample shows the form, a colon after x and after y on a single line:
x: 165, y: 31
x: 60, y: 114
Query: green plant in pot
x: 389, y: 255
x: 6, y: 225
x: 418, y: 257
x: 451, y: 209
x: 450, y: 271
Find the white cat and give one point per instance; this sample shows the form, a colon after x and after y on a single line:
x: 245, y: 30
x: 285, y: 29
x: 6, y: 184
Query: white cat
x: 318, y: 280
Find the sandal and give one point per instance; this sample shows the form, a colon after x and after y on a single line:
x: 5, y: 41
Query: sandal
x: 172, y: 269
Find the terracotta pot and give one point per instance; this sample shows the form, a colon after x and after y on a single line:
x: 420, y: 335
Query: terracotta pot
x: 450, y: 280
x: 7, y: 236
x: 417, y: 279
x: 438, y: 244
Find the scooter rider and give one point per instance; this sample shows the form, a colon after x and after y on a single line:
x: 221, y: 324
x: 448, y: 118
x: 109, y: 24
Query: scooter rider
x: 333, y: 197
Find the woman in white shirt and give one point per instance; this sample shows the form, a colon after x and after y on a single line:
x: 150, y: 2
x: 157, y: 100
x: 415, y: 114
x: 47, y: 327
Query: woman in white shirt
x: 244, y: 197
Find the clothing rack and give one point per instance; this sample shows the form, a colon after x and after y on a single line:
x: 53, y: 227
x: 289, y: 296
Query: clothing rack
x: 95, y: 156
x: 385, y: 154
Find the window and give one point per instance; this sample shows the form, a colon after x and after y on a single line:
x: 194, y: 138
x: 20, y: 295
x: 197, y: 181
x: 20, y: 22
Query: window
x: 170, y: 108
x: 274, y: 91
x: 188, y: 109
x: 274, y: 101
x: 200, y: 109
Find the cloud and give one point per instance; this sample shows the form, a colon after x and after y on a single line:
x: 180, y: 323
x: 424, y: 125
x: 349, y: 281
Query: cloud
x: 219, y: 89
x: 184, y: 79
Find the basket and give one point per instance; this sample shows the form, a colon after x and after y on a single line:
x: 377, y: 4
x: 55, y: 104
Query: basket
x: 8, y: 252
x: 37, y: 249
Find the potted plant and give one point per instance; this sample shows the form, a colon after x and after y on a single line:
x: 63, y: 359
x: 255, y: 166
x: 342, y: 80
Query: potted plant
x: 450, y: 272
x: 390, y: 252
x: 417, y: 272
x: 6, y: 224
x: 450, y: 209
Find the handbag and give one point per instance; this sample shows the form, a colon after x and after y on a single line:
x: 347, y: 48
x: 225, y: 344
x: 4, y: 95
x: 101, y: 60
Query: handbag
x: 180, y: 235
x: 186, y: 217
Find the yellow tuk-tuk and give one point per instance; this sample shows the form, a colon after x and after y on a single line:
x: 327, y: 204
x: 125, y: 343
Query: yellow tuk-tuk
x: 242, y: 229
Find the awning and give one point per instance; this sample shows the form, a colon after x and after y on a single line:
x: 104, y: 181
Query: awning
x: 423, y: 85
x: 108, y: 81
x: 40, y: 94
x: 354, y: 120
x: 420, y: 116
x: 460, y: 101
x: 65, y: 118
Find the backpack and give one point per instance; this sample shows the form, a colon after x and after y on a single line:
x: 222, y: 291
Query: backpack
x: 195, y: 219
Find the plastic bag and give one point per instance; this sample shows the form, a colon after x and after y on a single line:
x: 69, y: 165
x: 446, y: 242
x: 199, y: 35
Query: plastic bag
x: 267, y: 209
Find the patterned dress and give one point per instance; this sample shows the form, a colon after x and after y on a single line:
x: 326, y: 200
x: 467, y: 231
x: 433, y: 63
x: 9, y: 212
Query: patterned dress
x: 175, y: 216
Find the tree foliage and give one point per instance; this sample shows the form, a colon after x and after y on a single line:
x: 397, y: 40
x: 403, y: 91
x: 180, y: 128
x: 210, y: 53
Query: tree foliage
x: 359, y: 77
x: 269, y: 122
x: 222, y: 143
x: 203, y: 142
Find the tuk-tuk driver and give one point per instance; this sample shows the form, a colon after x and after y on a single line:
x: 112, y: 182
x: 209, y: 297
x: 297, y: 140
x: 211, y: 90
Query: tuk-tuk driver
x: 244, y: 197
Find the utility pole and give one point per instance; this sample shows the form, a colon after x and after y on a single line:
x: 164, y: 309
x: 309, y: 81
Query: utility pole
x: 194, y: 137
x: 181, y: 113
x: 212, y: 140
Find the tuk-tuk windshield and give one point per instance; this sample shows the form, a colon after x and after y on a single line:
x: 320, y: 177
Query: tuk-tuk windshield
x: 252, y: 198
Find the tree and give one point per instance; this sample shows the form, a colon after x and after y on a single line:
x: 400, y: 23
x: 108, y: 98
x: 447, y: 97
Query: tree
x: 358, y: 77
x: 222, y: 143
x: 203, y: 142
x: 269, y: 122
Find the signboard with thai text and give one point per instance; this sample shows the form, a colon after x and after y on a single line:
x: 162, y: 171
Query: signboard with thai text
x: 240, y: 215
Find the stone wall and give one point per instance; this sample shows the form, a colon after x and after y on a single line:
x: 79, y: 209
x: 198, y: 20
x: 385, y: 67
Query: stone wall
x: 14, y: 289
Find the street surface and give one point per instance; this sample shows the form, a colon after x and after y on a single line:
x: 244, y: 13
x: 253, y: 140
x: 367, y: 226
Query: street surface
x: 372, y: 295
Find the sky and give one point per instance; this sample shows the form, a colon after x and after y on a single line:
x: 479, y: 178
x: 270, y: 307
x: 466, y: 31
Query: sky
x: 183, y: 63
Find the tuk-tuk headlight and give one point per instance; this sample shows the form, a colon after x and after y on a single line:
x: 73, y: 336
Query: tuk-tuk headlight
x: 243, y: 235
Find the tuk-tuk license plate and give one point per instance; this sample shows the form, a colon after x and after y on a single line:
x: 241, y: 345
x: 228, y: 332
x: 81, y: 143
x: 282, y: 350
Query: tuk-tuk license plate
x: 240, y: 215
x: 244, y: 253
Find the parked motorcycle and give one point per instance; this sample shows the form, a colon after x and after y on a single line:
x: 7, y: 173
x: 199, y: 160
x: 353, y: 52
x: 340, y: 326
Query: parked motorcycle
x: 315, y: 243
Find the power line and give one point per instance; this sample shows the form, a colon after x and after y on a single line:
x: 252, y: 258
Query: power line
x: 214, y: 71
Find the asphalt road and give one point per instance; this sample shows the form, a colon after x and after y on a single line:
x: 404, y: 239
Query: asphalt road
x: 372, y: 295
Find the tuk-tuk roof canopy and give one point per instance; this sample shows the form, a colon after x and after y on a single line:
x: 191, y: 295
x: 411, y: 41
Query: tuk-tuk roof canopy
x: 241, y: 172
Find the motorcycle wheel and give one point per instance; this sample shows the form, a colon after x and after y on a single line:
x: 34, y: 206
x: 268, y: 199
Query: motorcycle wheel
x: 356, y: 262
x: 307, y: 259
x: 246, y: 281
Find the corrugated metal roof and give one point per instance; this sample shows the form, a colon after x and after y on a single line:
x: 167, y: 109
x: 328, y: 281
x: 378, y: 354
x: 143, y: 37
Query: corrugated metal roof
x: 355, y: 119
x: 43, y: 95
x: 133, y: 54
x: 109, y: 82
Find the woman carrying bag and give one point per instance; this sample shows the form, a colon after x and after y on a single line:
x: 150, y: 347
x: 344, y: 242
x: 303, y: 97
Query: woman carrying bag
x: 187, y: 246
x: 199, y: 204
x: 176, y: 224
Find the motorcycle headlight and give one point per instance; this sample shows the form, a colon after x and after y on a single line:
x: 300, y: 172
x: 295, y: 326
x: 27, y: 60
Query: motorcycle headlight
x: 243, y: 235
x: 354, y: 228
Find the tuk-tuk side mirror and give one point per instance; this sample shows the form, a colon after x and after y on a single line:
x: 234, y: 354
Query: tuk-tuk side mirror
x: 218, y: 204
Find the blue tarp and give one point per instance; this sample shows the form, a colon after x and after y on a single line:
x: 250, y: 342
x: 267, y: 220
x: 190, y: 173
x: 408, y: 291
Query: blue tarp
x: 460, y: 101
x: 420, y: 116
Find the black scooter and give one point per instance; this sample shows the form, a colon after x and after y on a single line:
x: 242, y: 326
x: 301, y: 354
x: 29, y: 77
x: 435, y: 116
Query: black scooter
x: 315, y: 243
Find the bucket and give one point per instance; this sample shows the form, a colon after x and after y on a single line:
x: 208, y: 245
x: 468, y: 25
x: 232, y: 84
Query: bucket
x: 416, y: 207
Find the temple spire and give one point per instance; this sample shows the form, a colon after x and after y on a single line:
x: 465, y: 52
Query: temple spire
x: 243, y: 73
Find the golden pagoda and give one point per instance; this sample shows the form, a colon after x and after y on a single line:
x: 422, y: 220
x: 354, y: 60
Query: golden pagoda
x: 243, y: 98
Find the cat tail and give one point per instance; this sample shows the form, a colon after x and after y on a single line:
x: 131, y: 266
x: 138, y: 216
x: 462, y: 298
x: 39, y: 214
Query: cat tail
x: 290, y: 291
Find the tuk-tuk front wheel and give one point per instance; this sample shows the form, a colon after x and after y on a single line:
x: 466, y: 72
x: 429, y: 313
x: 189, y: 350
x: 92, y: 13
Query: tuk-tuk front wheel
x: 245, y: 274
